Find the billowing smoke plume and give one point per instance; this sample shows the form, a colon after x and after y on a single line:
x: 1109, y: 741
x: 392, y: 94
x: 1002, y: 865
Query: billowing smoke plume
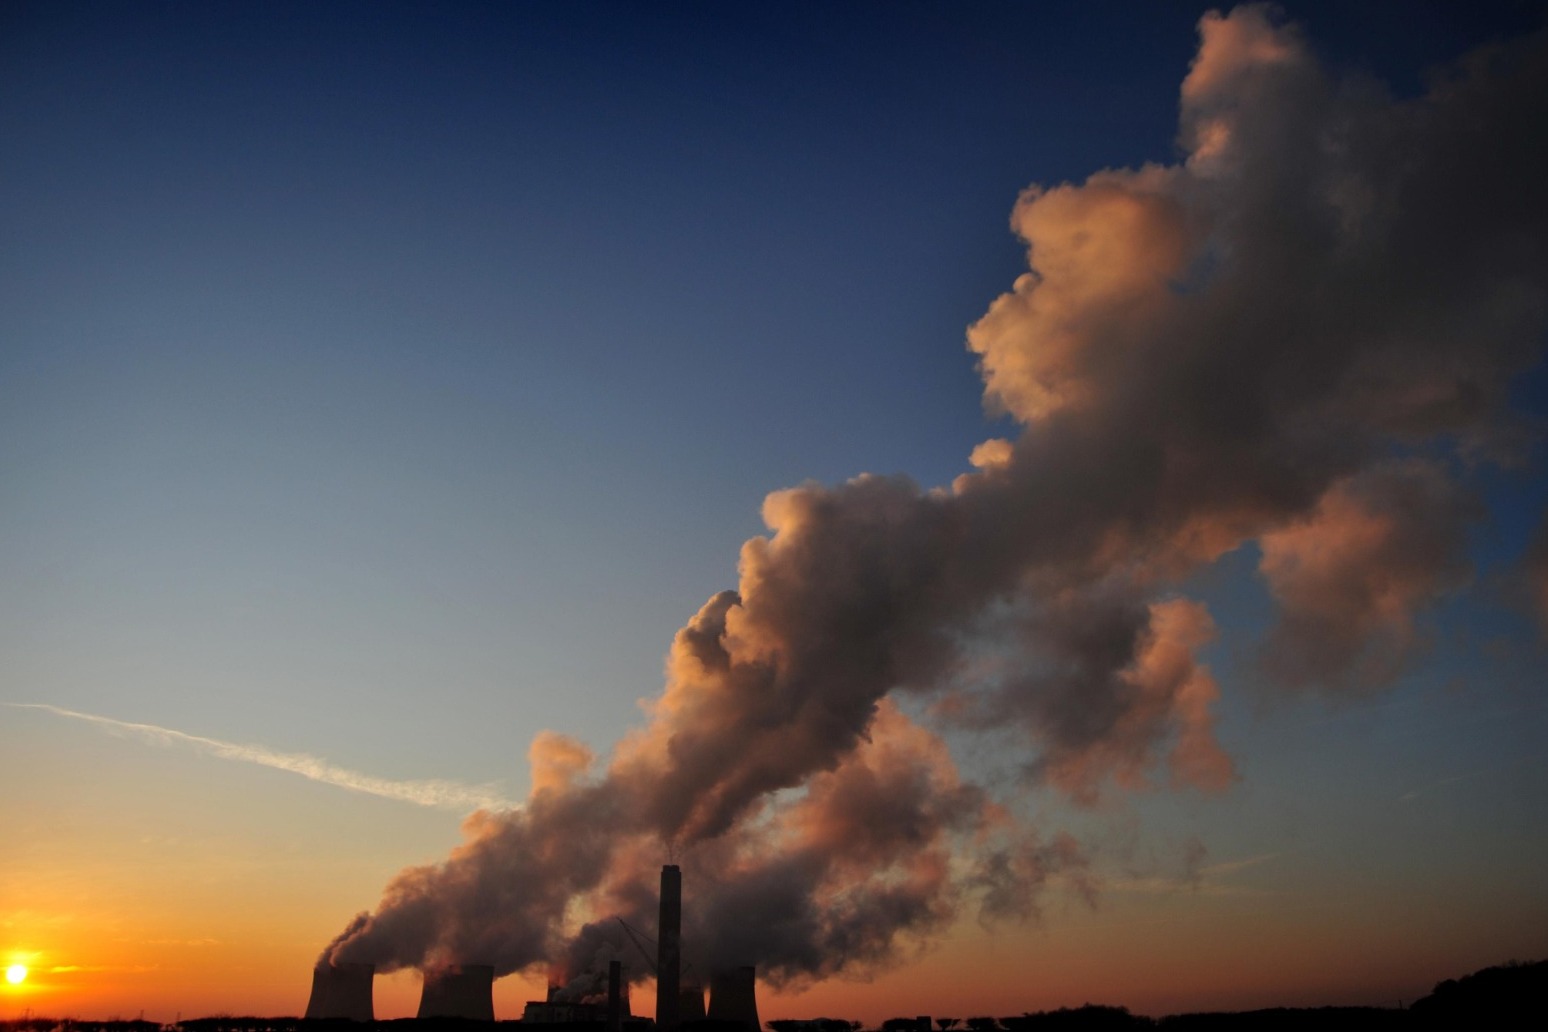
x: 1351, y: 575
x: 875, y: 847
x: 1289, y: 338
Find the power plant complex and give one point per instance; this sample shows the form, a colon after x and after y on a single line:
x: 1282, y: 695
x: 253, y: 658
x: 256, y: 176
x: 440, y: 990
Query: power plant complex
x: 342, y: 992
x: 459, y: 992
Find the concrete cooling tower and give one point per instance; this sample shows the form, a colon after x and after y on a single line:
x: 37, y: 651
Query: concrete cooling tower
x: 733, y: 997
x: 342, y: 991
x: 459, y: 992
x: 690, y: 1005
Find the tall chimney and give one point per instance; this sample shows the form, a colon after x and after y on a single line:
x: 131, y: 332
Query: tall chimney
x: 459, y: 992
x: 669, y: 953
x: 733, y: 997
x: 614, y: 996
x: 341, y: 991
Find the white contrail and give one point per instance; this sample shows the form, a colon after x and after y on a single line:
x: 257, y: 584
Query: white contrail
x: 436, y: 792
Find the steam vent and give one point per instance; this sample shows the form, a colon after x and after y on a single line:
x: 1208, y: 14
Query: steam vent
x: 733, y: 998
x: 459, y: 992
x: 342, y: 991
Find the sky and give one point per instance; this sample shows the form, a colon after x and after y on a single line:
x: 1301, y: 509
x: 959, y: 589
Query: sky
x: 1152, y: 610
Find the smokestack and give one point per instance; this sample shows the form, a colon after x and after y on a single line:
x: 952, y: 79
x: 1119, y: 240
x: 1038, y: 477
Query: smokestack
x: 669, y: 953
x: 459, y: 992
x: 733, y: 997
x: 614, y: 996
x: 342, y: 991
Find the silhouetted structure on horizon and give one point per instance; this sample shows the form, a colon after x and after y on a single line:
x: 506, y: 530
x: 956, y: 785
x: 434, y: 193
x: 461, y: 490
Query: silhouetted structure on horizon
x: 669, y: 948
x: 459, y: 992
x: 1504, y: 998
x: 342, y: 991
x: 734, y: 999
x: 690, y: 1004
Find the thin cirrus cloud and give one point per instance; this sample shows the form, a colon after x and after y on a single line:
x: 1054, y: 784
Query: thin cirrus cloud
x: 434, y: 792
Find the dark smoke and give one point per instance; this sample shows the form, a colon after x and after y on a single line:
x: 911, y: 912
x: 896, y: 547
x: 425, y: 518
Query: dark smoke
x: 1250, y: 346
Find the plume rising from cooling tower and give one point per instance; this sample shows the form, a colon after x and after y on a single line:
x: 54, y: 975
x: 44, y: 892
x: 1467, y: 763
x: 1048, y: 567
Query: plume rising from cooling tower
x: 465, y: 991
x: 1178, y: 398
x: 342, y: 991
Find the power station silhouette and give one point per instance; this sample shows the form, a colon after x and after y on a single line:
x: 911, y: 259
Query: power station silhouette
x: 342, y: 991
x: 466, y: 991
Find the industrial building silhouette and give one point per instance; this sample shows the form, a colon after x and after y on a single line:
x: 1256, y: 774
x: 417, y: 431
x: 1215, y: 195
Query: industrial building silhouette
x: 1503, y: 998
x: 466, y: 991
x: 342, y: 992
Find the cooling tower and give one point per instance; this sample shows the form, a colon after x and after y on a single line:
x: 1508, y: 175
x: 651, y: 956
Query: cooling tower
x: 669, y: 954
x: 459, y: 992
x: 733, y: 998
x: 690, y: 1005
x: 342, y: 991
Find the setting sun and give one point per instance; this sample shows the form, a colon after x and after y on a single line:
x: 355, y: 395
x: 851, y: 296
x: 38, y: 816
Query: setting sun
x: 16, y: 973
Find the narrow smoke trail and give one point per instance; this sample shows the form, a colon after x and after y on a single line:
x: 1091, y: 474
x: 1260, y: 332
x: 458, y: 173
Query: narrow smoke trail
x: 1296, y: 337
x: 445, y: 795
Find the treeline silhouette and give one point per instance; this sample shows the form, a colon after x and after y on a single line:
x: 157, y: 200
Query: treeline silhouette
x: 1508, y: 997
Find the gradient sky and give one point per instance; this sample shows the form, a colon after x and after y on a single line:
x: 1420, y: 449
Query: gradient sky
x: 382, y: 384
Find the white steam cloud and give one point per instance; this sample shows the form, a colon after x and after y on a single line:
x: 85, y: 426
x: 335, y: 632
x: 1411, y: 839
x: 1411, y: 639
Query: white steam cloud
x: 1296, y: 337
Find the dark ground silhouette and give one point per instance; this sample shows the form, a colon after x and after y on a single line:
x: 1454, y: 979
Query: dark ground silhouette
x: 1508, y: 997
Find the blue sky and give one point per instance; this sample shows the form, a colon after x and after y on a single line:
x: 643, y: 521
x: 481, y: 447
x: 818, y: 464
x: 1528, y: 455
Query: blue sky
x: 389, y: 382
